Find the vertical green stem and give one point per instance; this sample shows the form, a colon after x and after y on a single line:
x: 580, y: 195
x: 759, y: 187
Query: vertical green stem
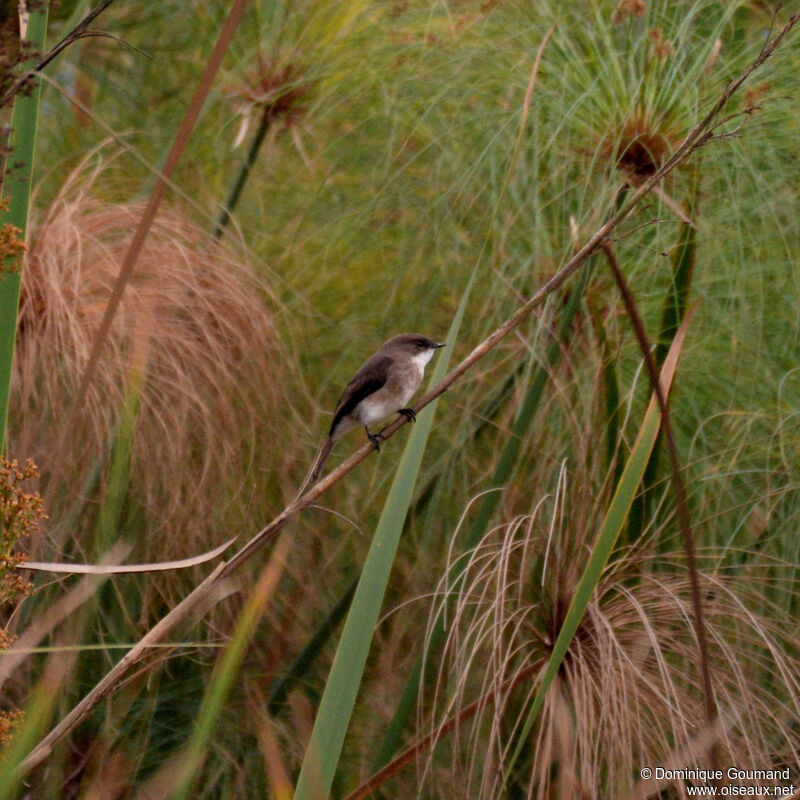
x: 241, y: 178
x: 17, y: 183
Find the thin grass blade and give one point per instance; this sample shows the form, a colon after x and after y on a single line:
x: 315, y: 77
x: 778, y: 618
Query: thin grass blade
x: 298, y: 668
x: 338, y: 699
x: 38, y: 712
x: 227, y: 671
x: 613, y: 523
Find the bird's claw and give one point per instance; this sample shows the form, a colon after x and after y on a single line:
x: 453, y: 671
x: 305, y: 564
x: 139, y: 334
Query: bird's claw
x: 376, y: 439
x: 408, y: 413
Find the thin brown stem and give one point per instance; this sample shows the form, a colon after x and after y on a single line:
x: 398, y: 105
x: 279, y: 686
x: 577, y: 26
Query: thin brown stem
x: 139, y: 236
x: 78, y: 32
x: 211, y: 583
x: 426, y: 742
x: 678, y: 484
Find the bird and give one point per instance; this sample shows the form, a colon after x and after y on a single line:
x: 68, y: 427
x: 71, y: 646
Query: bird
x: 382, y: 386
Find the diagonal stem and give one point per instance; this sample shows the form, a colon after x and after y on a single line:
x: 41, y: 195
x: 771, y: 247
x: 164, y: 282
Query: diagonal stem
x: 430, y: 740
x: 140, y: 235
x: 678, y: 484
x: 76, y: 33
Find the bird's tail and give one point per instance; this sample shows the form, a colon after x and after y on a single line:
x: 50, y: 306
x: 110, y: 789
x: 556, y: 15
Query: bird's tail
x: 317, y: 465
x: 321, y: 458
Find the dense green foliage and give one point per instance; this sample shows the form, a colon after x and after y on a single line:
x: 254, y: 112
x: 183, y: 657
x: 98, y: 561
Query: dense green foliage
x: 399, y: 160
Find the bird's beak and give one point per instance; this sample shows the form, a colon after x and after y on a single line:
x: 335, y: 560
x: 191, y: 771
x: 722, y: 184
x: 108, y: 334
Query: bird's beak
x: 437, y: 345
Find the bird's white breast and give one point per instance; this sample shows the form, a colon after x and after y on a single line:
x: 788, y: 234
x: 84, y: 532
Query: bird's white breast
x: 376, y: 408
x: 384, y: 403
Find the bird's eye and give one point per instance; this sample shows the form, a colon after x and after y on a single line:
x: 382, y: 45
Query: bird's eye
x: 421, y: 344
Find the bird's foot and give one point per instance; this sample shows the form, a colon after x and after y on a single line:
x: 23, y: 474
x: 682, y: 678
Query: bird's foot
x: 408, y: 413
x: 376, y: 440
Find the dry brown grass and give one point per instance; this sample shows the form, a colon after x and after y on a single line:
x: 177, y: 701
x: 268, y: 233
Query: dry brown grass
x: 193, y: 330
x: 629, y: 693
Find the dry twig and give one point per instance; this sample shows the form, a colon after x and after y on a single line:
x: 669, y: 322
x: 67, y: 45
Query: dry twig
x: 78, y: 32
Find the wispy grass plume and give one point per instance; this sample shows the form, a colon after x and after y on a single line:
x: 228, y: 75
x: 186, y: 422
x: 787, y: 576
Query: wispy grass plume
x: 196, y: 315
x: 623, y: 697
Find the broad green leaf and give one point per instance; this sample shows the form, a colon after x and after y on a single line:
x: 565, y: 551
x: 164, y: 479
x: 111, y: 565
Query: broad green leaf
x: 17, y: 187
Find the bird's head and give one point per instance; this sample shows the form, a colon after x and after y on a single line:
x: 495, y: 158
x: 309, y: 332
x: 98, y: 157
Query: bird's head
x: 412, y: 345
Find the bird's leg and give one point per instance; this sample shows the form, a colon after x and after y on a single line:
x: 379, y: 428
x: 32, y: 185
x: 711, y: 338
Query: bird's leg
x: 375, y: 438
x: 408, y: 413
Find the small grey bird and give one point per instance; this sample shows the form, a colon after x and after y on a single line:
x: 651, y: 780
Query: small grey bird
x: 382, y: 386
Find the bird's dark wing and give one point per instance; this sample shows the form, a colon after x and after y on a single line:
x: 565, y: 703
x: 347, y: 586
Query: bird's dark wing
x: 372, y: 376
